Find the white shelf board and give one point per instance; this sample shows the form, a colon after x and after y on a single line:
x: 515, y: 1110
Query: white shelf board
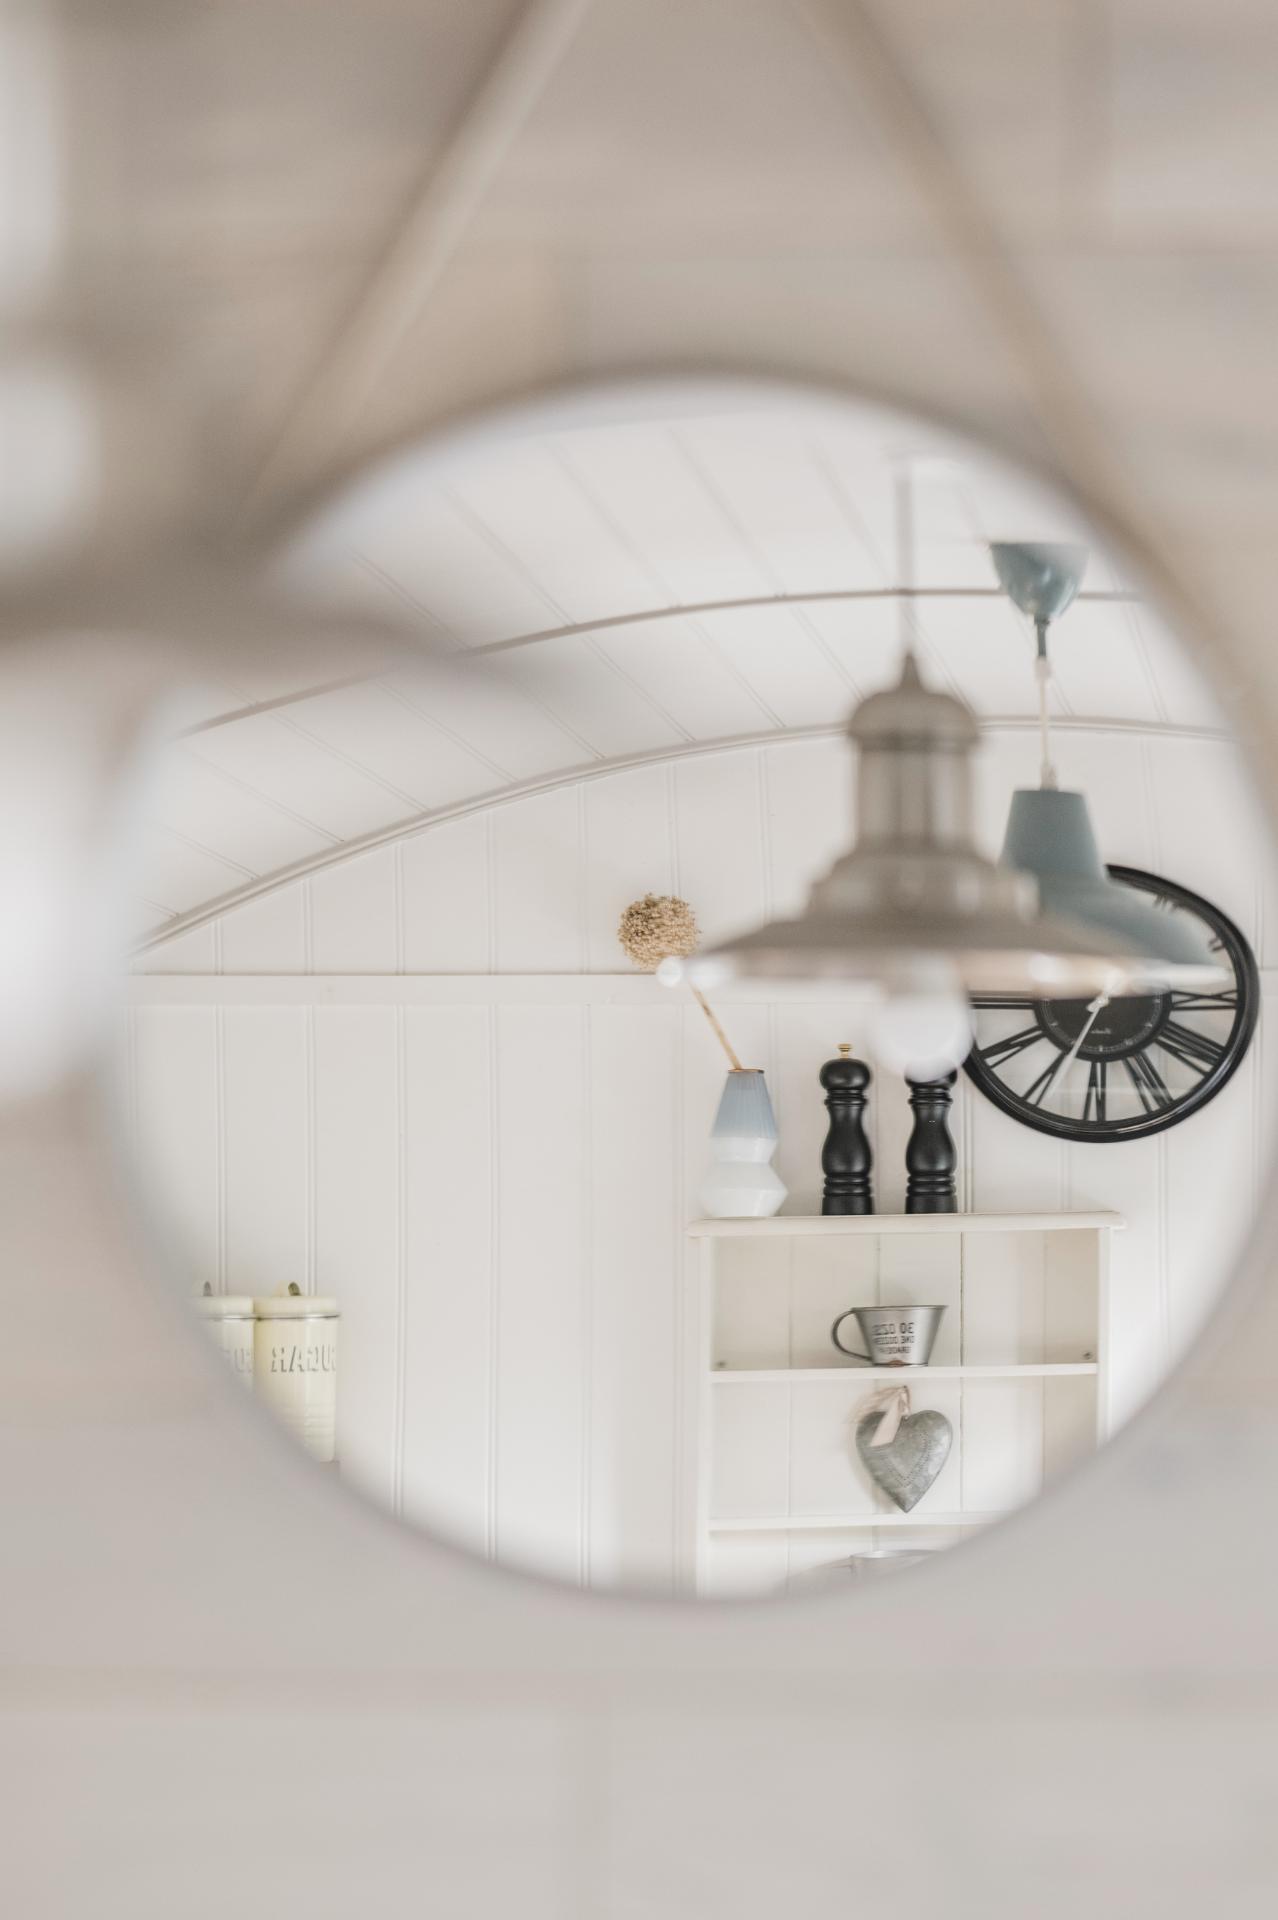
x: 842, y: 1523
x: 886, y: 1376
x: 795, y: 1225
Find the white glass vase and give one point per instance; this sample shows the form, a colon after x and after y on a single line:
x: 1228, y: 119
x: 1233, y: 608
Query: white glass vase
x: 741, y: 1184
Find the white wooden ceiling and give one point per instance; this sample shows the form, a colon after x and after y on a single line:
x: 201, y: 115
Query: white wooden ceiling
x: 638, y: 574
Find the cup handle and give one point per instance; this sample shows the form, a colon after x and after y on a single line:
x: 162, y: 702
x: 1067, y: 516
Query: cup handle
x: 851, y: 1352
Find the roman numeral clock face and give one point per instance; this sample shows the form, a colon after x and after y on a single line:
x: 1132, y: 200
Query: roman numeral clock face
x: 1141, y: 1063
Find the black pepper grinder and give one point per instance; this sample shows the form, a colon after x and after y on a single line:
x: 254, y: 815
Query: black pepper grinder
x: 846, y: 1159
x: 930, y: 1157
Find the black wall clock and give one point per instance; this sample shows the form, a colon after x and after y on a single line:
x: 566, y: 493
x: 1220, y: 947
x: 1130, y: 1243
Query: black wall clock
x: 1147, y: 1061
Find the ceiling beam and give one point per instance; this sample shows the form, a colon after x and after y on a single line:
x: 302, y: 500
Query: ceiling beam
x: 861, y: 44
x: 696, y: 608
x: 337, y: 855
x: 861, y: 49
x: 418, y: 251
x: 648, y: 616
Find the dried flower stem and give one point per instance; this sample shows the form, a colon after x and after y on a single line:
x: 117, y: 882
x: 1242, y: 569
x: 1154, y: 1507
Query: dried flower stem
x: 661, y: 927
x: 721, y: 1036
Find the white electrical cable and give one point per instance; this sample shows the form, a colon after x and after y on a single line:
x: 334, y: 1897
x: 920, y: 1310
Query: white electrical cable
x: 1047, y: 769
x: 904, y: 528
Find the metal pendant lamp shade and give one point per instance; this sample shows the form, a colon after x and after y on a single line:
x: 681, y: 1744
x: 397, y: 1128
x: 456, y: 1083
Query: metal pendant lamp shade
x: 914, y: 897
x: 1049, y: 836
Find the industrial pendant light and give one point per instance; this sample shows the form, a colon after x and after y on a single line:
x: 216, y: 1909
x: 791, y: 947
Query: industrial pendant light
x: 915, y: 907
x: 1049, y: 832
x: 915, y: 902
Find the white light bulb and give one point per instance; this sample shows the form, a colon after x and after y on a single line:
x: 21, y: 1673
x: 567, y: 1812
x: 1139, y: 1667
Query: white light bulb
x: 923, y: 1034
x: 670, y: 971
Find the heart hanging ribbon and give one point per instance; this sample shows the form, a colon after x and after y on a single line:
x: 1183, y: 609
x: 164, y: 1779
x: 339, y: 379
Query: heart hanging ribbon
x: 904, y: 1460
x: 895, y: 1402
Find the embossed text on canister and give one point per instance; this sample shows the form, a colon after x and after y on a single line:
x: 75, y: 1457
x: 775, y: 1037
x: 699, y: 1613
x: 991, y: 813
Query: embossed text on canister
x: 295, y: 1366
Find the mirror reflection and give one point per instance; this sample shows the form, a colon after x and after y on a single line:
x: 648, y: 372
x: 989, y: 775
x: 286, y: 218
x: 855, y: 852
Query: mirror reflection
x: 715, y: 1051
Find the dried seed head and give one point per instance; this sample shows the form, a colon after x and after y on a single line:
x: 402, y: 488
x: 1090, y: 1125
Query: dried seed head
x: 657, y: 927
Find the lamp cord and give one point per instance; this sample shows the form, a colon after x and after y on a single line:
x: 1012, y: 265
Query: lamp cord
x: 905, y: 557
x: 1043, y: 674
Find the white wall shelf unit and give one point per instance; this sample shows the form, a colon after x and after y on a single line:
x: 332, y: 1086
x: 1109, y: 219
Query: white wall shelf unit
x: 1020, y: 1368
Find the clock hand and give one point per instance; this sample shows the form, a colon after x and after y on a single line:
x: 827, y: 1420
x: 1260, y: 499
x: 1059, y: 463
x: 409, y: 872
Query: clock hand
x: 1094, y: 1008
x: 1067, y: 1060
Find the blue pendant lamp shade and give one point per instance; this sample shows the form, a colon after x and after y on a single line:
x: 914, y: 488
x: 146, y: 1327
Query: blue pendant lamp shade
x: 1049, y: 835
x: 1040, y: 577
x: 1049, y: 832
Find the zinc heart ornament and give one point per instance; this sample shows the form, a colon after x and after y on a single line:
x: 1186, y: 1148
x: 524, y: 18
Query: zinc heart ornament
x: 902, y: 1451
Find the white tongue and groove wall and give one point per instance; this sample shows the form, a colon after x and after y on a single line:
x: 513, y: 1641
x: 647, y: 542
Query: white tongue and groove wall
x: 423, y: 1079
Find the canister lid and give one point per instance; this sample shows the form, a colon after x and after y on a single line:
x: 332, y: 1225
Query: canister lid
x: 295, y: 1305
x: 225, y: 1306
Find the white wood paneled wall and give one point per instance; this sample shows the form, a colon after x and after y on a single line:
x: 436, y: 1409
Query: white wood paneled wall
x: 493, y: 1170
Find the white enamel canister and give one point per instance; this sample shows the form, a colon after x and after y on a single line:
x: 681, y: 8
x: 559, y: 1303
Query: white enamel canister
x: 228, y: 1319
x: 295, y: 1366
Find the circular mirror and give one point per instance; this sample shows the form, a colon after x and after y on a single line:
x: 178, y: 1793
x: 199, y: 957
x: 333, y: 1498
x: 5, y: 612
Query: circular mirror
x: 593, y: 1271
